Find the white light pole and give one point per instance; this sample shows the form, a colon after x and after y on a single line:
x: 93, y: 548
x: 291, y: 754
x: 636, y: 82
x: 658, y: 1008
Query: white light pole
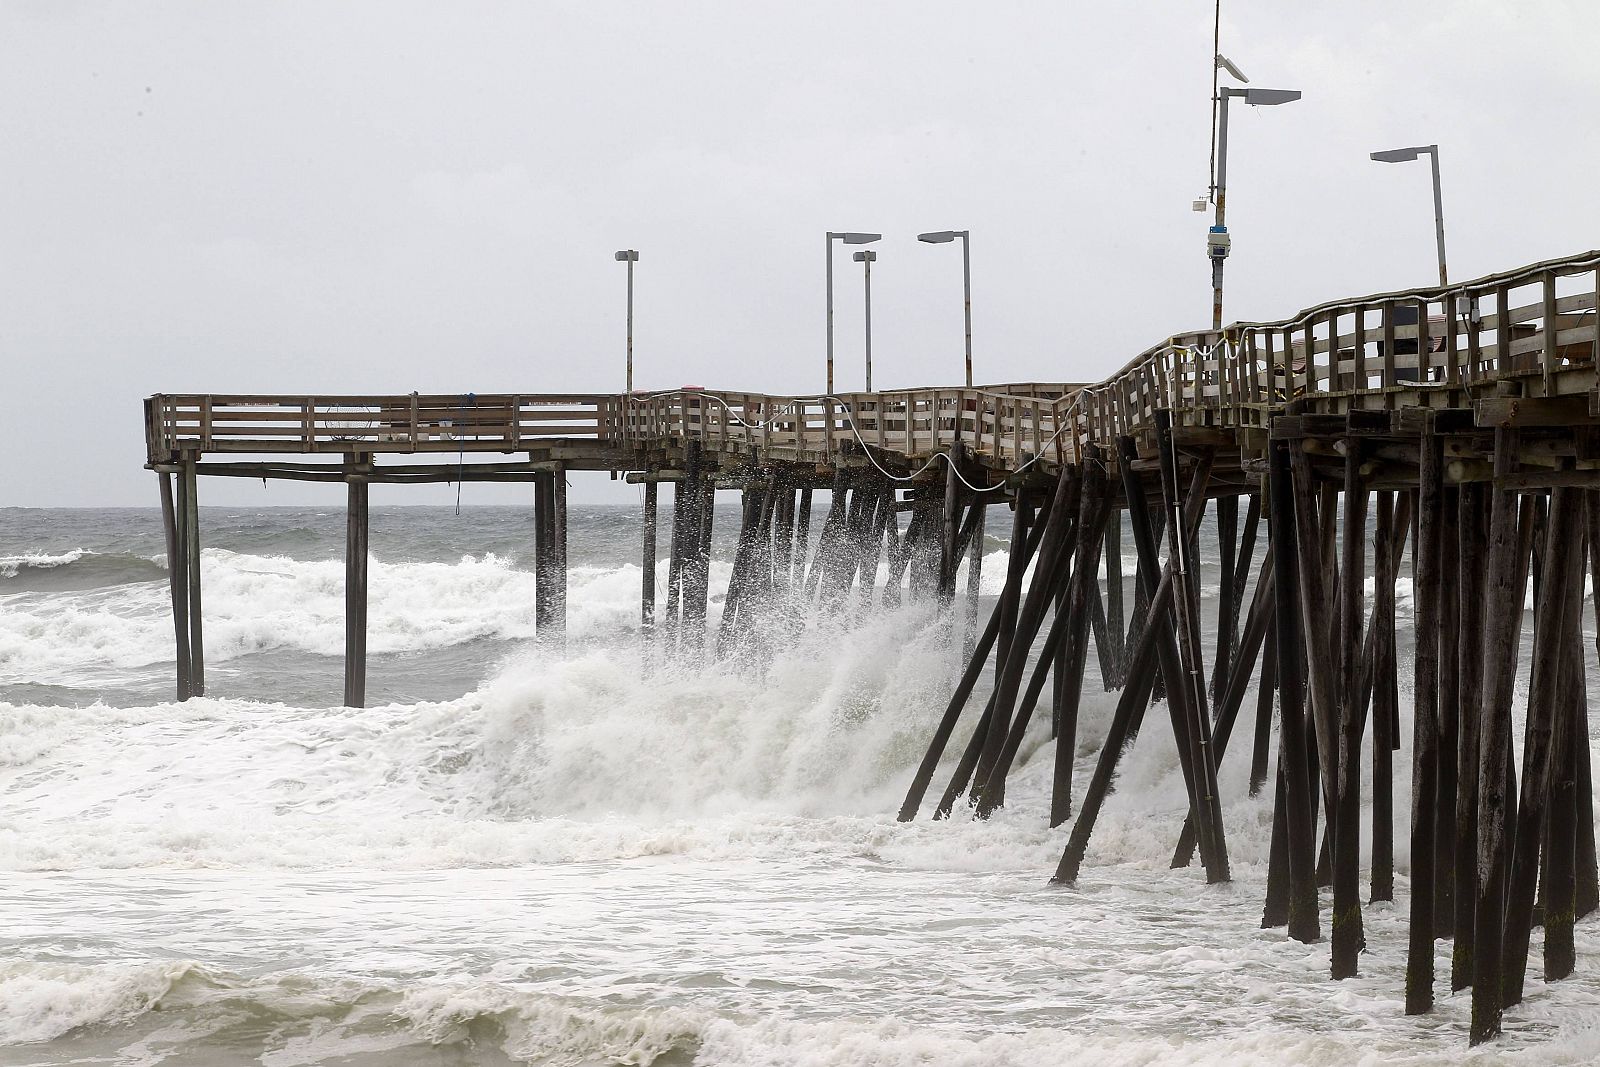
x: 849, y: 239
x: 940, y: 237
x: 1406, y: 155
x: 630, y: 257
x: 865, y: 257
x: 1217, y: 242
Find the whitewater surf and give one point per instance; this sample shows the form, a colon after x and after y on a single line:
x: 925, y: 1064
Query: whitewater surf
x: 524, y: 853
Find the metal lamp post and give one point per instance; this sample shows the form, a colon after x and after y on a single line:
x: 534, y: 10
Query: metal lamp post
x: 866, y: 257
x: 1217, y: 242
x: 940, y: 237
x: 849, y: 239
x: 1406, y: 155
x: 630, y: 257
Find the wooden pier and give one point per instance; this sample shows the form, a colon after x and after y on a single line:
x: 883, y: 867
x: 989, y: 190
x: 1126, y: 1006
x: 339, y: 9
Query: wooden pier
x: 1464, y: 421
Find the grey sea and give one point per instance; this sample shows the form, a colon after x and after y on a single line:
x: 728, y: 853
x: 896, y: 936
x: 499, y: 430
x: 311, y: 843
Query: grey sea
x: 585, y: 852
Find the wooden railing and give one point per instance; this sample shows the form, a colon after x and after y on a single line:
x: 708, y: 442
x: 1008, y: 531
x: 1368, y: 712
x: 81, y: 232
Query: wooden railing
x: 911, y: 423
x: 1433, y: 347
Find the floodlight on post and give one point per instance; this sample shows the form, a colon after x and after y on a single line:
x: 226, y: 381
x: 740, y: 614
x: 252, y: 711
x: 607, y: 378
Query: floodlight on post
x: 849, y: 238
x: 941, y: 237
x: 866, y: 257
x: 1218, y: 241
x: 630, y: 257
x: 1407, y: 155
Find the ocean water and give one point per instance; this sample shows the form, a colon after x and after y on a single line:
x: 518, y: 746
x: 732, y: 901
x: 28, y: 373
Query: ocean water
x: 576, y: 853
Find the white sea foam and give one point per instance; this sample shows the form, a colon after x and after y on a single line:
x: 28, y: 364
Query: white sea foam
x: 743, y: 810
x: 263, y: 603
x: 11, y: 566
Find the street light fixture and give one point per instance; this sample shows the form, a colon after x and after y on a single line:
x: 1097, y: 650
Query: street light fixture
x: 849, y: 239
x: 1218, y: 242
x: 1406, y: 155
x: 866, y: 257
x: 942, y: 237
x: 630, y: 257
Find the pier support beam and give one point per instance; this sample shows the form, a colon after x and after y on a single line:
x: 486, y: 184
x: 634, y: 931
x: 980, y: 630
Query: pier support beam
x: 550, y: 553
x: 1502, y: 624
x: 647, y: 565
x: 189, y: 508
x: 1298, y: 790
x: 1185, y: 602
x: 1559, y: 598
x: 177, y: 579
x: 1428, y: 595
x: 355, y: 586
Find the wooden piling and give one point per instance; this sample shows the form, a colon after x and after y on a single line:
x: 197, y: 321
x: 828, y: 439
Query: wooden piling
x: 355, y: 588
x: 1227, y: 520
x: 1299, y: 793
x: 177, y: 582
x: 1502, y: 621
x: 1447, y: 671
x: 1385, y: 696
x: 558, y: 548
x: 950, y: 527
x: 544, y: 553
x: 1260, y: 749
x: 1136, y: 694
x: 1185, y: 603
x: 978, y: 517
x: 647, y: 564
x: 990, y: 781
x: 1427, y: 596
x: 1010, y: 603
x: 1116, y: 620
x: 958, y: 700
x: 1240, y: 670
x: 1348, y: 939
x: 1559, y: 875
x: 1559, y: 592
x: 1471, y: 565
x: 190, y: 501
x: 1095, y: 511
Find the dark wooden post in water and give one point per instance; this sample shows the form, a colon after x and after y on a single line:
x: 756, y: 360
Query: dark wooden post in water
x: 989, y: 785
x: 1097, y: 506
x: 647, y: 564
x: 190, y: 509
x: 952, y: 713
x: 1471, y: 566
x: 550, y: 552
x: 355, y: 584
x: 1293, y: 763
x: 1227, y: 594
x: 980, y: 513
x: 1116, y: 619
x: 1425, y: 750
x: 1502, y: 622
x: 177, y: 580
x: 1346, y: 822
x: 558, y: 546
x: 541, y: 551
x: 1559, y: 594
x: 1153, y: 641
x: 1208, y: 825
x: 950, y: 527
x: 1010, y: 597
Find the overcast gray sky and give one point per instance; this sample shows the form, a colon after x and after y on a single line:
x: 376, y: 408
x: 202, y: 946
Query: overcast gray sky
x: 381, y: 197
